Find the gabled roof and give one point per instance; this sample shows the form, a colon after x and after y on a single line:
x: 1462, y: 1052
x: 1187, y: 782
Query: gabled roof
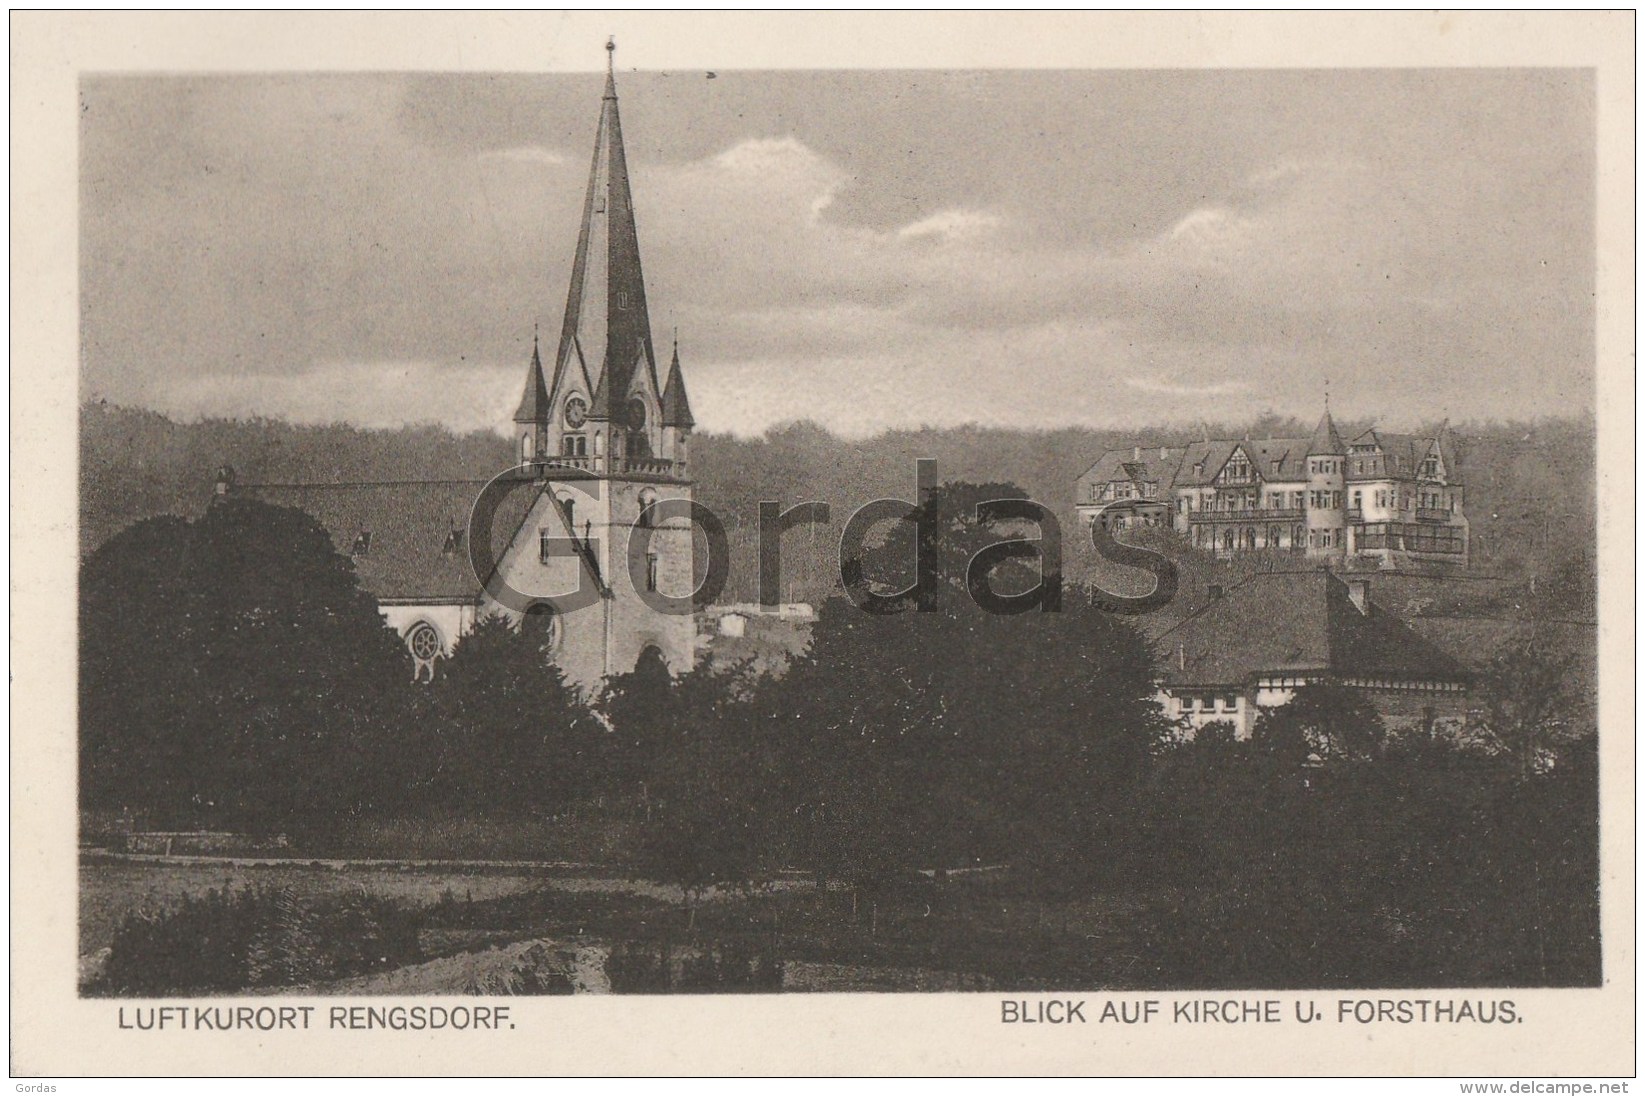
x: 676, y: 406
x: 1403, y: 455
x: 1201, y: 461
x: 1125, y: 464
x: 1278, y: 458
x: 1295, y: 622
x: 1326, y: 440
x: 412, y: 555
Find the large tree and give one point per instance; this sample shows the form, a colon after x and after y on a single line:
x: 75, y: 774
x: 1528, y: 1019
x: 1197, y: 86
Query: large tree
x: 232, y: 672
x: 954, y: 733
x: 508, y: 736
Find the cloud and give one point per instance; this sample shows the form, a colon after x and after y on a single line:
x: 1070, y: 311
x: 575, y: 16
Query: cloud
x: 527, y: 154
x: 950, y: 224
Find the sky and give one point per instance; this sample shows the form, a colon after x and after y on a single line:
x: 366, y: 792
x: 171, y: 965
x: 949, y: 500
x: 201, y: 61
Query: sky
x: 869, y: 250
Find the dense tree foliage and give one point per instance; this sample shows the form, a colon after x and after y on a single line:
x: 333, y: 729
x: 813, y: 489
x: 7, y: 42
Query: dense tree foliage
x: 504, y: 734
x: 232, y: 671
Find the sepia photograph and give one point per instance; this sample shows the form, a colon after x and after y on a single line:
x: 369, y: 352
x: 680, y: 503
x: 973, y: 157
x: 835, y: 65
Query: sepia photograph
x: 648, y: 529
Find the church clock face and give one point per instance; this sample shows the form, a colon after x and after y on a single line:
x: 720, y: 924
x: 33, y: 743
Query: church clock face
x: 576, y: 412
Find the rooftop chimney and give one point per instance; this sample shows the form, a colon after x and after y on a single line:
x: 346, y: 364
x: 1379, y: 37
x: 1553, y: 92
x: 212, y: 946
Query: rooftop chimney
x: 1359, y: 593
x: 1136, y: 453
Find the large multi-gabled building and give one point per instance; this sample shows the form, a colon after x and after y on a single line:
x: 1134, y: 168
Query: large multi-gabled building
x: 569, y: 537
x: 1395, y: 498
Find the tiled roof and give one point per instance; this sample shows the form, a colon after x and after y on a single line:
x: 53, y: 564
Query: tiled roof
x: 413, y: 554
x: 1295, y: 622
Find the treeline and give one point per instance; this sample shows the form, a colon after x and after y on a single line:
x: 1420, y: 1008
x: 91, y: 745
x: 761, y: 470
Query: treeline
x: 1529, y: 494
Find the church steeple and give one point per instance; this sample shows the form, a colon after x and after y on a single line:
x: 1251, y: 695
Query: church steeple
x: 607, y: 329
x: 676, y: 407
x: 534, y: 400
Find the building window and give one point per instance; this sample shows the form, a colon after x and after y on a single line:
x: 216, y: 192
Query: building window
x: 644, y: 520
x: 651, y: 571
x: 424, y: 642
x: 525, y: 447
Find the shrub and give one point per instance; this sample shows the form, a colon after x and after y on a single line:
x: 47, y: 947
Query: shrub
x: 256, y: 937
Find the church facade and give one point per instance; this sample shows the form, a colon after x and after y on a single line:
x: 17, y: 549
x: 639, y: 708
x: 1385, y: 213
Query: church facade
x: 586, y: 537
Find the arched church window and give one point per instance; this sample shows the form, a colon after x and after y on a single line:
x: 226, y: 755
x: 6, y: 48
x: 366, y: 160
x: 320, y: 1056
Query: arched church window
x: 424, y: 641
x: 541, y: 625
x: 525, y: 447
x: 651, y: 661
x: 599, y: 443
x: 569, y: 506
x: 636, y: 444
x: 645, y: 519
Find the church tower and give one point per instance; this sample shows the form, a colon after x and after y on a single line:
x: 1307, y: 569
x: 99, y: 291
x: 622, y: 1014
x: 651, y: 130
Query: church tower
x: 606, y: 441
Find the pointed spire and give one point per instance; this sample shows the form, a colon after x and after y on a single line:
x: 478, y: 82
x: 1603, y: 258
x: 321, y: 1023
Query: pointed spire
x: 605, y: 313
x: 534, y: 401
x: 676, y: 407
x: 1326, y: 440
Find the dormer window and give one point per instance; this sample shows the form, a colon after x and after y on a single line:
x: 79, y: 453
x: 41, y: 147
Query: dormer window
x: 362, y: 544
x: 454, y: 543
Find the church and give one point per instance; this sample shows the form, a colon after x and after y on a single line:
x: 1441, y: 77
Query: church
x: 580, y: 539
